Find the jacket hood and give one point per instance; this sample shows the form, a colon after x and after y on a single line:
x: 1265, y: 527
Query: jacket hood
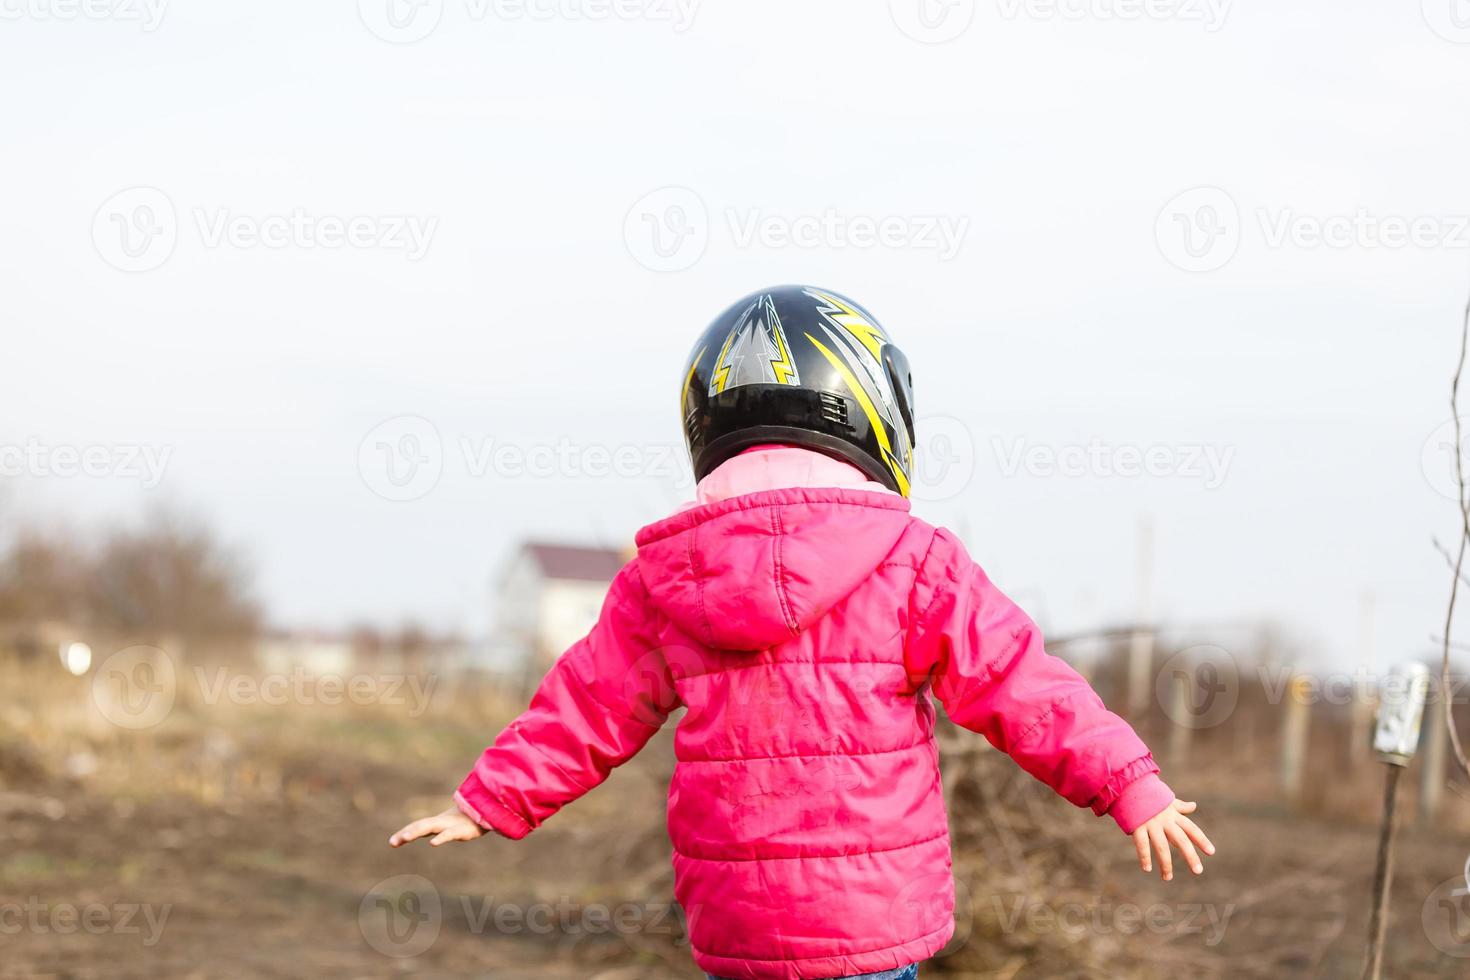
x: 756, y: 570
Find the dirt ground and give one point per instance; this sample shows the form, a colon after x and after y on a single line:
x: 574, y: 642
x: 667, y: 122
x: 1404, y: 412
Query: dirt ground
x: 252, y: 843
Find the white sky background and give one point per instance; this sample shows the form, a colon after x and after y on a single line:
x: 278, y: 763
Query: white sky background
x: 530, y: 319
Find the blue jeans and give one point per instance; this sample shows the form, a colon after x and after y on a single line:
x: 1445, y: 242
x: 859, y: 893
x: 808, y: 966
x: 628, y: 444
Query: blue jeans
x: 907, y: 973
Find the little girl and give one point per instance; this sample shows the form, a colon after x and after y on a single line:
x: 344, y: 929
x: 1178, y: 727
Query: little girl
x: 802, y: 617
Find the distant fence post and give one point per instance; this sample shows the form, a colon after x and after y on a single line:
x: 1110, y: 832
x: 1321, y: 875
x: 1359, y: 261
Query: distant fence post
x: 1140, y: 672
x: 1141, y: 645
x: 1363, y: 703
x: 1360, y: 731
x: 1432, y: 756
x: 1180, y: 734
x: 1294, y: 738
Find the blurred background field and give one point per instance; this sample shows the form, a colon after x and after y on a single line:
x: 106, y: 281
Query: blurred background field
x: 338, y: 352
x: 242, y: 812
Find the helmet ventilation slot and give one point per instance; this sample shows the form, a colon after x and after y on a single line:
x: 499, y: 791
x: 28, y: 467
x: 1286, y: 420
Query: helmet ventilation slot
x: 834, y: 407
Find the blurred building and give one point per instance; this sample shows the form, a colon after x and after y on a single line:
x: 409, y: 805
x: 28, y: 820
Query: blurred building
x: 365, y: 650
x: 320, y: 654
x: 549, y: 596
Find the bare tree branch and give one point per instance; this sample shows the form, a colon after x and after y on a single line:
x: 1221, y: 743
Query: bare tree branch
x: 1464, y: 501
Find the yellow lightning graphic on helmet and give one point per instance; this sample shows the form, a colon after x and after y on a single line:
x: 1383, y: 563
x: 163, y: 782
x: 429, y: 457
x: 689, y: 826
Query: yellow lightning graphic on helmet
x: 722, y: 366
x: 849, y: 319
x: 781, y: 366
x: 874, y: 420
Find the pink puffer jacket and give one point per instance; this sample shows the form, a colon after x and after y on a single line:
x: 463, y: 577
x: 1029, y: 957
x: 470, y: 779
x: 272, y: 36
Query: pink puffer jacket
x: 804, y: 630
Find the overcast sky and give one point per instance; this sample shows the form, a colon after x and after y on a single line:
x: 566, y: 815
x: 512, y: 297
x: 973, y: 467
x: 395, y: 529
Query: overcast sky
x: 381, y: 291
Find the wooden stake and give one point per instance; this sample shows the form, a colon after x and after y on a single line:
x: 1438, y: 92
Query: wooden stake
x: 1373, y: 962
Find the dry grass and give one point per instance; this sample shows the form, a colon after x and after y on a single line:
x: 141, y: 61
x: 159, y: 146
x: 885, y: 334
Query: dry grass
x: 262, y: 829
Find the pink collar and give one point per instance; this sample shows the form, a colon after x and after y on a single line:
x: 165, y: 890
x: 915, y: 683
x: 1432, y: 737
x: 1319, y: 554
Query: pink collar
x: 779, y: 468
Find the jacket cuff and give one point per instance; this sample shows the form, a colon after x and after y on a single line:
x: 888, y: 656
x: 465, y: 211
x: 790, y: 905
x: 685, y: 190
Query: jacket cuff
x: 481, y: 806
x: 1141, y: 801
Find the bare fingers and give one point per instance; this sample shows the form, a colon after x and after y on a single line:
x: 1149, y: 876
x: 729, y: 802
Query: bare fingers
x: 1161, y: 848
x: 458, y: 832
x: 419, y: 828
x: 1197, y: 835
x: 1177, y: 837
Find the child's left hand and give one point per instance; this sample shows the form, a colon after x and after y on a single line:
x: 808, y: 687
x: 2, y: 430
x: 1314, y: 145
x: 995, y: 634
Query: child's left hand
x: 1172, y: 826
x: 447, y: 826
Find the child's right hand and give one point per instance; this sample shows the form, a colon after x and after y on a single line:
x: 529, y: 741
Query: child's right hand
x: 1171, y: 826
x: 450, y: 825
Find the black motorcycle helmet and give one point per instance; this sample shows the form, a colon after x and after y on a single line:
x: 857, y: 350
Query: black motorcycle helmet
x: 807, y: 367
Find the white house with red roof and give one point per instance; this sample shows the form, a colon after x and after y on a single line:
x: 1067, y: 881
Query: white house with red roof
x: 549, y: 596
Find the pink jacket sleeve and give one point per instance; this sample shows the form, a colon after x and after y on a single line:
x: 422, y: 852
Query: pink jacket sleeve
x: 597, y: 706
x: 985, y: 659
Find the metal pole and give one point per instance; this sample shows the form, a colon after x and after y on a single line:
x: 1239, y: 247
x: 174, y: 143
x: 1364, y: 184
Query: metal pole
x: 1373, y: 965
x: 1400, y: 716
